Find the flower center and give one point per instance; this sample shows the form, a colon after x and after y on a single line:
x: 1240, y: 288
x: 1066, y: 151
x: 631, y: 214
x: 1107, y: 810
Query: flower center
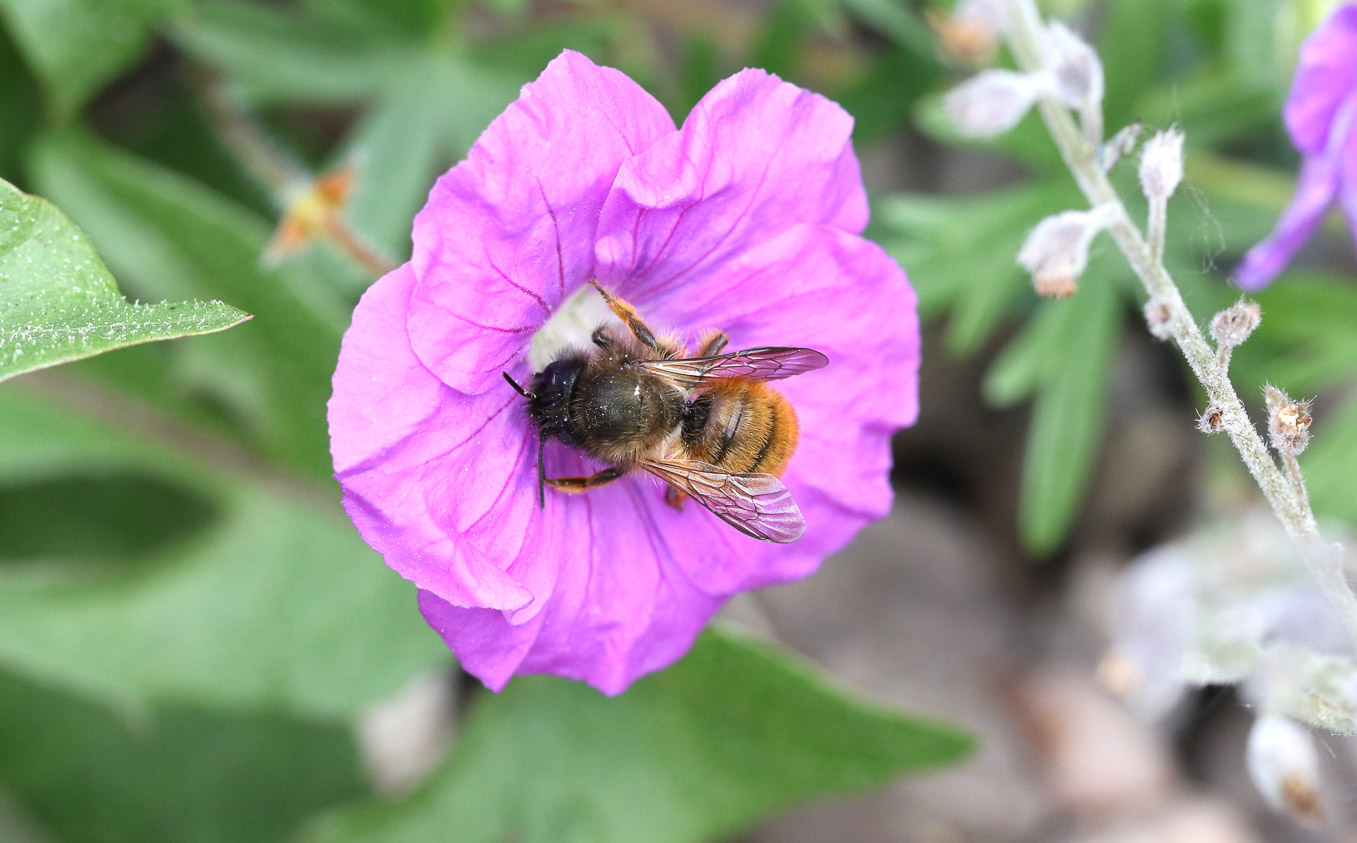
x: 571, y: 326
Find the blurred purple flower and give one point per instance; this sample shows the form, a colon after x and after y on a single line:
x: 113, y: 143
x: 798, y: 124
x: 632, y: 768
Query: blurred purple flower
x: 747, y: 219
x: 1319, y: 115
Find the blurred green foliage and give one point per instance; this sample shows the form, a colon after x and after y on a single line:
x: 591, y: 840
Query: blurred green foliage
x: 1220, y: 70
x: 189, y: 625
x: 686, y: 754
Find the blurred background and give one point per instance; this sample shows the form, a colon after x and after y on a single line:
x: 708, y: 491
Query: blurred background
x: 195, y: 645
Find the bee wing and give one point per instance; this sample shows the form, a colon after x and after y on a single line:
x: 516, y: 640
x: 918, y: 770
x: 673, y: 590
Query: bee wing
x: 757, y: 505
x: 768, y: 363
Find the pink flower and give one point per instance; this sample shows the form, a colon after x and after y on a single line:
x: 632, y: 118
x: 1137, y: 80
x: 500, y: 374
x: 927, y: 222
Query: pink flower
x: 1319, y: 115
x: 747, y: 219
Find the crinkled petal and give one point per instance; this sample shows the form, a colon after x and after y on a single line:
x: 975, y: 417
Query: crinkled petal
x: 395, y: 472
x: 509, y: 232
x: 488, y: 646
x: 755, y: 156
x: 621, y: 608
x: 1326, y: 76
x: 1315, y: 189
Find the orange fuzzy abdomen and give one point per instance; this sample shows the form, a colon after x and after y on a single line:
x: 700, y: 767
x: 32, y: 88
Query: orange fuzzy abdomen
x: 747, y: 426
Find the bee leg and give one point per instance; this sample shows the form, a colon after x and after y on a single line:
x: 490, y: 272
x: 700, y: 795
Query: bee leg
x: 629, y: 316
x: 542, y: 472
x: 580, y: 484
x: 712, y: 343
x: 674, y: 497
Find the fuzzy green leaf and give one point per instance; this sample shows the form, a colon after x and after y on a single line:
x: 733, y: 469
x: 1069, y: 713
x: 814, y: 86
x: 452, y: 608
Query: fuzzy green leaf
x: 59, y: 303
x: 697, y: 752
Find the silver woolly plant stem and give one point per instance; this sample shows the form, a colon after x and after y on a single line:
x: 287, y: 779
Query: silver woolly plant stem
x: 1079, y: 150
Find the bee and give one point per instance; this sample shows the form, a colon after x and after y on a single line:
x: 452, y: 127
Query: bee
x: 707, y: 425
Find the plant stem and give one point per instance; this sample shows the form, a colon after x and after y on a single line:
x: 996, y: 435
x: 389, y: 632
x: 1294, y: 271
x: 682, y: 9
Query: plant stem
x: 1287, y: 498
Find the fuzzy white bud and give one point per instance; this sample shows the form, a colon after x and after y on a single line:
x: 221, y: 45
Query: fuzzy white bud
x: 1232, y: 326
x: 1056, y: 252
x: 1212, y: 420
x: 1159, y: 317
x: 1075, y: 65
x: 1161, y: 164
x: 1285, y: 768
x: 993, y: 101
x: 1288, y: 422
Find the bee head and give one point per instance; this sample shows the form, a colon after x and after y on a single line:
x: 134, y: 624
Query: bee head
x: 549, y: 401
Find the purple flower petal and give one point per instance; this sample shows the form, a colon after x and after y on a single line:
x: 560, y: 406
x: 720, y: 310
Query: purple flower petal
x: 383, y: 407
x: 1347, y: 170
x: 755, y: 156
x: 638, y: 580
x: 509, y: 232
x: 1315, y: 189
x: 1326, y: 76
x: 745, y: 220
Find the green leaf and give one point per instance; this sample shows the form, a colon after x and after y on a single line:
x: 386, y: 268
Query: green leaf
x: 167, y: 236
x: 734, y: 731
x: 77, y: 45
x: 1069, y: 415
x: 1032, y: 357
x: 268, y: 599
x: 58, y: 303
x: 175, y: 773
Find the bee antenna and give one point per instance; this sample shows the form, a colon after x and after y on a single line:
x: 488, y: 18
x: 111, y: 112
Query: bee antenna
x: 520, y: 390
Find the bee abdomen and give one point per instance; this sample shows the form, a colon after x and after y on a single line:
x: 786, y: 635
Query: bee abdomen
x: 742, y: 426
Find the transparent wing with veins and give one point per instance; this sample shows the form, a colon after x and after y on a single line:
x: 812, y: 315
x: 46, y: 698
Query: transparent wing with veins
x: 757, y: 505
x: 767, y: 363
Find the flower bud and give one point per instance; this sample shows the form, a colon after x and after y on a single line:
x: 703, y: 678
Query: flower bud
x: 1285, y: 768
x: 991, y: 15
x: 1056, y: 252
x: 1212, y: 420
x: 310, y: 211
x: 1077, y: 70
x: 1288, y: 422
x: 1232, y: 326
x: 1159, y: 318
x: 1161, y: 164
x: 970, y: 33
x: 993, y: 101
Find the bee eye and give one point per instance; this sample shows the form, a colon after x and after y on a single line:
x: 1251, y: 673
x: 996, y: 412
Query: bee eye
x: 601, y: 338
